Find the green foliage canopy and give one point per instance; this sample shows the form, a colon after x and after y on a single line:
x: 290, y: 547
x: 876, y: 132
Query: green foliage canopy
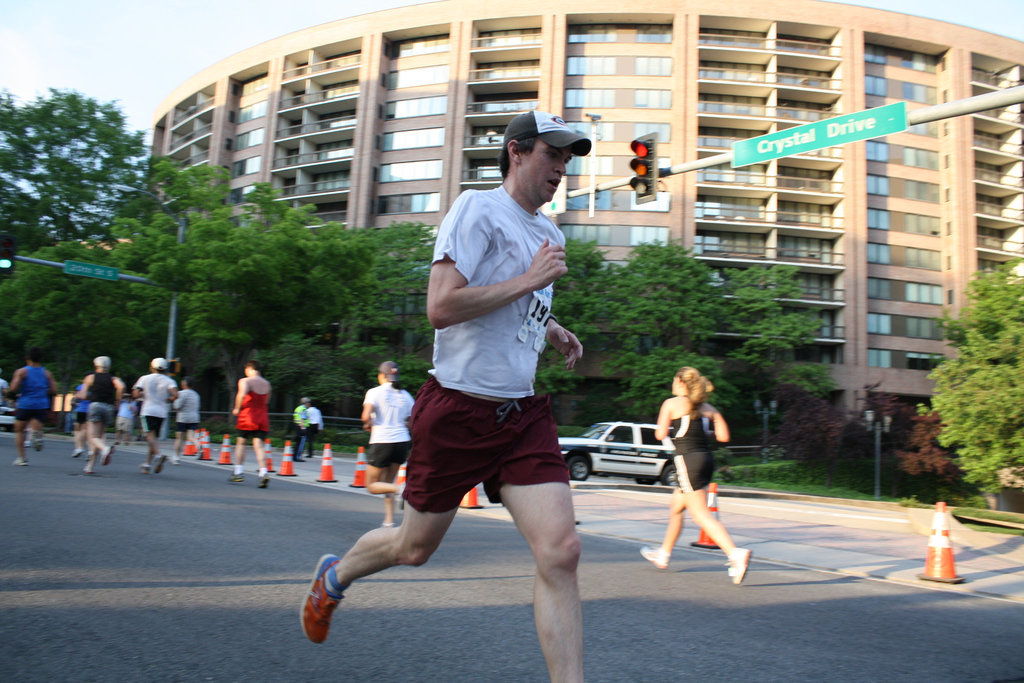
x: 980, y: 393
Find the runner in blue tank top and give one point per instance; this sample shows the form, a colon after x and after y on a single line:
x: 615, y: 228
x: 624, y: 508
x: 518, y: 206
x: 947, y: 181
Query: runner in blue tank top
x: 34, y: 387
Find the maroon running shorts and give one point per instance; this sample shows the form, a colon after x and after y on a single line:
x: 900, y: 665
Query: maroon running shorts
x: 458, y: 441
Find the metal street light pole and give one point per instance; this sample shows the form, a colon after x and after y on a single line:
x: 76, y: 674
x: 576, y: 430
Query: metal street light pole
x: 877, y: 426
x: 594, y: 118
x: 172, y: 322
x: 765, y: 412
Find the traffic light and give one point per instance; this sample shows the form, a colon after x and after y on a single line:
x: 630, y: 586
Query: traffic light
x: 8, y: 248
x: 645, y: 168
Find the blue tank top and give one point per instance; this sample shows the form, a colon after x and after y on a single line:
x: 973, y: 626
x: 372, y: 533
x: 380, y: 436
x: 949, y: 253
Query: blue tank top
x: 34, y: 392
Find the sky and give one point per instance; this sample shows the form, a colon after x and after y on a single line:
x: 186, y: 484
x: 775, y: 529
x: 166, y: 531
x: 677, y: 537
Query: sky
x: 98, y: 46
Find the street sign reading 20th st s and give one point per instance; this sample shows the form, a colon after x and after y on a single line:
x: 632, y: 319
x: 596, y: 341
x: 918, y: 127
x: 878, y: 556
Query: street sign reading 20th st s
x: 871, y: 123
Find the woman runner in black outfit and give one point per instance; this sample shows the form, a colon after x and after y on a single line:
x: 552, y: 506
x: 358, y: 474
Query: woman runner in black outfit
x: 685, y: 413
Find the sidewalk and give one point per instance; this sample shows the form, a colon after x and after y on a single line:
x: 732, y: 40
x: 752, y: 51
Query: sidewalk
x: 991, y: 564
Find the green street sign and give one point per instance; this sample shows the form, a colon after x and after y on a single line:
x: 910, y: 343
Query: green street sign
x: 871, y: 123
x: 90, y: 270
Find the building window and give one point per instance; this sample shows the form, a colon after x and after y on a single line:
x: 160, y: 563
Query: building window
x: 877, y: 151
x: 921, y: 293
x: 576, y: 98
x: 923, y: 258
x: 413, y: 78
x: 616, y: 235
x: 925, y: 192
x: 249, y: 139
x: 413, y: 139
x: 420, y: 106
x: 920, y: 158
x: 662, y: 131
x: 875, y: 54
x: 879, y: 323
x: 422, y: 46
x: 878, y: 219
x: 876, y: 85
x: 653, y: 66
x: 253, y: 111
x: 915, y: 92
x: 878, y: 184
x: 583, y: 166
x: 592, y: 34
x: 238, y: 194
x: 652, y: 99
x: 879, y: 288
x: 590, y: 66
x: 410, y: 170
x: 923, y: 361
x: 879, y: 358
x: 921, y: 225
x: 879, y: 253
x: 409, y: 203
x: 923, y: 328
x: 255, y: 85
x: 930, y: 129
x: 246, y: 166
x: 654, y: 34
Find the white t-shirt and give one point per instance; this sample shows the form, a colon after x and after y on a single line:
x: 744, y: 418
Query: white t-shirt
x: 492, y: 239
x: 155, y: 390
x: 315, y: 417
x: 391, y: 408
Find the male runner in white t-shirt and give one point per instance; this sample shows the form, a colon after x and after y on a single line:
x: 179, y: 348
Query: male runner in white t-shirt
x: 477, y: 419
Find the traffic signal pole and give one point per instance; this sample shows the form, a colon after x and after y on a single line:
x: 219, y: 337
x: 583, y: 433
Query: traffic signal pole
x: 937, y: 112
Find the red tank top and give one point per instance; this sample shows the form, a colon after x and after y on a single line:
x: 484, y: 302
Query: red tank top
x: 253, y: 416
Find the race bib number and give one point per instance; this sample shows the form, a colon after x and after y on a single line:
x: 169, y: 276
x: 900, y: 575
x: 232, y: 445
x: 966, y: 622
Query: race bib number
x: 535, y: 326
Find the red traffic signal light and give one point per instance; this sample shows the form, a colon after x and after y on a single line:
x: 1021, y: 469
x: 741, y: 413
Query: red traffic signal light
x: 645, y: 168
x: 8, y: 250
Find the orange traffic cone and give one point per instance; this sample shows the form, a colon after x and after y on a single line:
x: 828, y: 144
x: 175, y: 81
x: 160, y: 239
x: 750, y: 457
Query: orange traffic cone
x: 469, y: 500
x: 287, y: 468
x: 190, y: 445
x: 939, y: 564
x: 206, y: 446
x: 270, y: 461
x: 359, y: 478
x: 705, y: 541
x: 326, y: 466
x: 400, y: 479
x: 225, y: 451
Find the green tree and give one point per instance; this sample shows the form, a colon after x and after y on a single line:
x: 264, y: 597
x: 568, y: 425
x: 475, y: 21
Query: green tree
x: 75, y: 319
x: 59, y: 157
x: 246, y: 280
x: 980, y: 393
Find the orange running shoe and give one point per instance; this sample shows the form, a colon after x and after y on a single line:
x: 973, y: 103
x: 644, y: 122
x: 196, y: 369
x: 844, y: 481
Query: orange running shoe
x: 319, y: 605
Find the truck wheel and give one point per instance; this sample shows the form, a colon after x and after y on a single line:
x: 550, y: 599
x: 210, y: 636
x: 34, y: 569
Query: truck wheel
x: 668, y: 476
x: 579, y: 467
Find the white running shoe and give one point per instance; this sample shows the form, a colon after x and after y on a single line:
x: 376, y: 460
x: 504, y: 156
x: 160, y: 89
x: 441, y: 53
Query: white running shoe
x: 21, y: 461
x: 145, y: 469
x: 738, y: 563
x: 655, y: 556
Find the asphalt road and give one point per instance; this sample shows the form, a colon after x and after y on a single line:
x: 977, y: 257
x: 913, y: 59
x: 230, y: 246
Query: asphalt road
x: 184, y: 577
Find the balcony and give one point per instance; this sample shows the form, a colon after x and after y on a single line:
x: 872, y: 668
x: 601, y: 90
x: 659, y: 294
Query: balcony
x: 341, y: 123
x: 346, y: 62
x: 997, y: 244
x: 485, y: 140
x: 790, y: 183
x: 501, y: 107
x: 996, y: 144
x: 322, y: 187
x: 489, y: 175
x: 765, y: 78
x: 830, y: 332
x: 194, y: 110
x: 349, y: 91
x: 505, y: 73
x: 732, y: 253
x: 182, y: 140
x: 999, y: 211
x: 331, y: 216
x: 323, y: 156
x: 992, y: 79
x: 507, y: 40
x: 825, y: 295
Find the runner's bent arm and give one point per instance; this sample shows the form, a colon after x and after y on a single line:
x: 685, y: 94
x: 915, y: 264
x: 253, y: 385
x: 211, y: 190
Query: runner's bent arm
x: 450, y: 299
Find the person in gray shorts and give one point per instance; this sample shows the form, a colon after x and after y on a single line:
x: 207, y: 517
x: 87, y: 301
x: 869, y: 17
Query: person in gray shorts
x: 104, y: 390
